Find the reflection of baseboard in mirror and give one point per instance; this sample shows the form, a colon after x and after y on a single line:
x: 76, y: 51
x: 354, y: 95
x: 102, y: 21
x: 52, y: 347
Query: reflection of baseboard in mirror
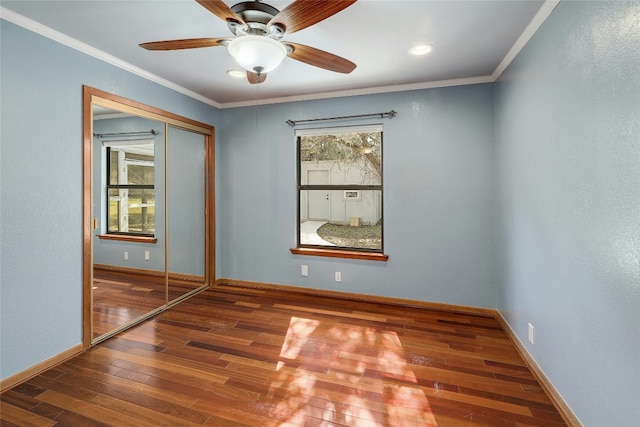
x: 148, y: 211
x: 123, y: 295
x: 178, y: 277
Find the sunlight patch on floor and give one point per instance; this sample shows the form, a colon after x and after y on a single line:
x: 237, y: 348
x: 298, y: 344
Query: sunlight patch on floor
x: 322, y: 383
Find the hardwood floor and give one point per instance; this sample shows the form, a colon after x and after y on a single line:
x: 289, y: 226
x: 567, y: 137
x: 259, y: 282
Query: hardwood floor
x: 248, y: 357
x: 120, y: 297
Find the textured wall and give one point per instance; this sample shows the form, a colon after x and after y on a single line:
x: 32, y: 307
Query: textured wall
x: 438, y: 200
x: 41, y: 187
x: 568, y: 150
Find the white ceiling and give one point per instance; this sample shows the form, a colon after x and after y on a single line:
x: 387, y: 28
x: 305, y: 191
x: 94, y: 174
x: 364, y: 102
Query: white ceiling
x: 473, y: 41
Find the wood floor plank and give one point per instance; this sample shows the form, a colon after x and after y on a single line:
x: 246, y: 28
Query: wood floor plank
x: 136, y: 415
x: 240, y: 357
x: 163, y: 409
x: 137, y: 382
x: 11, y: 414
x: 96, y: 410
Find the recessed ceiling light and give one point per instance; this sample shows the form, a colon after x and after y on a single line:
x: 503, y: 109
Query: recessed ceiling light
x: 236, y: 74
x: 421, y: 49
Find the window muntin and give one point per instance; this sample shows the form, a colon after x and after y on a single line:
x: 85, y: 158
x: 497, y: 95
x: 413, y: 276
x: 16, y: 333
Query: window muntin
x: 340, y: 189
x: 131, y: 189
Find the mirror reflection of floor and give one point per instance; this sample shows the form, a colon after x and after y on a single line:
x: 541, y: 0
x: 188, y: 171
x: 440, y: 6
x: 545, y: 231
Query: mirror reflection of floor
x: 122, y: 297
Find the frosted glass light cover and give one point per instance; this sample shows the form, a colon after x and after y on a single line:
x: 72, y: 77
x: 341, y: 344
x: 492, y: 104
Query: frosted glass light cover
x: 257, y: 53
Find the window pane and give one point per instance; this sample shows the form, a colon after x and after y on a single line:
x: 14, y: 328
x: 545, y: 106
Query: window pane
x: 132, y: 211
x: 131, y: 164
x: 347, y: 158
x: 343, y: 218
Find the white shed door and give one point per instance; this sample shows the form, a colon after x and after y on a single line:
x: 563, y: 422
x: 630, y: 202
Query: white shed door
x: 319, y: 200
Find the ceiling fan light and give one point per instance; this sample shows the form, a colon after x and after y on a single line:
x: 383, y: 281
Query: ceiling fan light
x: 420, y: 49
x: 258, y: 54
x: 237, y: 74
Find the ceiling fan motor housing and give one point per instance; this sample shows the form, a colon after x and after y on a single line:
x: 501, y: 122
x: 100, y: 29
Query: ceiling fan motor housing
x: 256, y: 15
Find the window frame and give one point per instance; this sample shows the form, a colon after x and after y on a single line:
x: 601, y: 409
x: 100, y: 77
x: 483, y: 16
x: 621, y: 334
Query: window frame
x: 338, y: 251
x: 123, y: 234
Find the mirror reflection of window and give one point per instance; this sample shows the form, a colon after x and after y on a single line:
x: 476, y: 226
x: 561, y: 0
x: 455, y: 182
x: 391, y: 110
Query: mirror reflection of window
x: 130, y: 187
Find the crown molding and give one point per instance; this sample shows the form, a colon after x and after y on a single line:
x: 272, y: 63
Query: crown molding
x: 542, y: 15
x: 545, y: 10
x: 364, y: 91
x: 61, y: 38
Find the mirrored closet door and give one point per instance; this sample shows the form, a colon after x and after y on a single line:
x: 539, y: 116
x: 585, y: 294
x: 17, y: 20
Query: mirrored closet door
x: 186, y: 212
x: 127, y: 200
x: 148, y: 212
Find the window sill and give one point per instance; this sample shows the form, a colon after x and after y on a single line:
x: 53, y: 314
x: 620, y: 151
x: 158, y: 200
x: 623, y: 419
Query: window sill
x: 370, y: 256
x: 127, y: 238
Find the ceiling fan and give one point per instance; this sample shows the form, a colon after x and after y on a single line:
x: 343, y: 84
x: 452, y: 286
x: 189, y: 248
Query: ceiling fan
x: 259, y: 28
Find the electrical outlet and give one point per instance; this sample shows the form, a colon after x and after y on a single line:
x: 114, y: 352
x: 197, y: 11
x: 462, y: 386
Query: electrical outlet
x: 532, y: 334
x: 126, y: 255
x: 304, y: 270
x: 146, y: 255
x: 338, y: 276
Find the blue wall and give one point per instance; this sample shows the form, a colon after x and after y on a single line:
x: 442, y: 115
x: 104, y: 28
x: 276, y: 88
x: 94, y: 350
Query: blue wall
x: 568, y: 241
x: 41, y: 187
x: 556, y: 168
x: 438, y: 200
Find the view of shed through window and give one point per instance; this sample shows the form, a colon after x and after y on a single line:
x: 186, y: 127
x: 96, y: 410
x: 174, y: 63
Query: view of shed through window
x: 340, y: 188
x: 130, y: 188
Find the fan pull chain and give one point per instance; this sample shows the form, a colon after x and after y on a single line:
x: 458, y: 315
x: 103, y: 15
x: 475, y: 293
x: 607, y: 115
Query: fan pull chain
x: 257, y: 87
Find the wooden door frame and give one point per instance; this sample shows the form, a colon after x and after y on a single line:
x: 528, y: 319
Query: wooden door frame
x: 90, y: 96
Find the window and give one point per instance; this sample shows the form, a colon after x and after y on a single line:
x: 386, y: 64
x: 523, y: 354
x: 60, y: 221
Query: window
x: 130, y: 188
x: 340, y: 191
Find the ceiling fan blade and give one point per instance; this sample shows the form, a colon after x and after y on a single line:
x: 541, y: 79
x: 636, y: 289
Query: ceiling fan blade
x: 320, y: 58
x: 221, y: 10
x: 255, y: 78
x: 303, y: 13
x: 184, y: 44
